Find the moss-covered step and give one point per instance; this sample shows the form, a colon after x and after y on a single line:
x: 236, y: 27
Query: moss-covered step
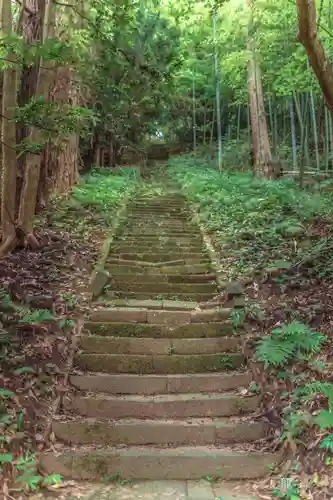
x: 194, y: 330
x: 175, y: 238
x: 136, y: 432
x: 171, y: 363
x: 168, y: 305
x: 161, y: 256
x: 98, y: 344
x: 156, y: 247
x: 161, y: 384
x: 116, y: 269
x: 161, y: 288
x: 143, y: 278
x: 145, y: 463
x: 194, y: 297
x: 186, y: 269
x: 167, y: 406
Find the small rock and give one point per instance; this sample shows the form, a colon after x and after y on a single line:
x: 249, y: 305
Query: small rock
x: 39, y: 301
x: 98, y: 281
x: 234, y: 289
x: 239, y: 302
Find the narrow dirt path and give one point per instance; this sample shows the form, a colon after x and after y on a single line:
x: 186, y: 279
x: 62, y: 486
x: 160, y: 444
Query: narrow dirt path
x: 160, y: 386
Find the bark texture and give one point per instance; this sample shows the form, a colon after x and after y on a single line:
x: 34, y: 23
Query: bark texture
x: 308, y: 37
x: 8, y: 197
x: 262, y: 155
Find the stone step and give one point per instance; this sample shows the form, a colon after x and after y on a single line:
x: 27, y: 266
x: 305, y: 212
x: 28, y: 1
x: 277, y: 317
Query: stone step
x: 167, y: 305
x: 157, y: 210
x: 160, y: 233
x: 165, y: 256
x: 161, y: 288
x: 194, y: 297
x: 188, y: 270
x: 137, y: 315
x: 156, y: 277
x: 161, y: 384
x: 144, y: 330
x: 161, y: 364
x: 156, y: 218
x: 161, y: 241
x: 98, y: 344
x: 157, y: 248
x: 162, y: 406
x: 136, y: 432
x: 152, y: 463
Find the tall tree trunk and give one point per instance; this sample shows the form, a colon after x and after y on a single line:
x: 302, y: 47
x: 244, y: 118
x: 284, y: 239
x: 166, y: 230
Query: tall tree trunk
x: 307, y: 36
x: 217, y: 91
x: 31, y: 29
x: 260, y: 138
x: 33, y: 161
x: 8, y: 197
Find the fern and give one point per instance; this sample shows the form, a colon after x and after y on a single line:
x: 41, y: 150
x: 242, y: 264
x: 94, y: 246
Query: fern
x: 324, y: 420
x: 37, y: 317
x: 292, y: 341
x: 294, y: 426
x: 327, y: 443
x: 308, y: 391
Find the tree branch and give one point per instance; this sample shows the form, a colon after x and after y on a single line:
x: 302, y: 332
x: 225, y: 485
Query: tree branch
x: 307, y: 36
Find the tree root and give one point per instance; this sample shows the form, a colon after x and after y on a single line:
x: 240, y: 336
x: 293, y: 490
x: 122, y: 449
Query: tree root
x: 8, y: 245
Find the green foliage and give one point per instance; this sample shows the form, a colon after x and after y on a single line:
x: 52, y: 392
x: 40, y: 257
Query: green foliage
x: 327, y: 443
x: 312, y: 389
x: 290, y: 492
x: 291, y: 342
x: 294, y: 426
x: 37, y: 317
x: 257, y: 218
x: 26, y: 467
x: 103, y: 190
x: 324, y: 420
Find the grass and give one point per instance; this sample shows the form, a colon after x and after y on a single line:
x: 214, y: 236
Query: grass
x: 255, y: 219
x: 96, y: 198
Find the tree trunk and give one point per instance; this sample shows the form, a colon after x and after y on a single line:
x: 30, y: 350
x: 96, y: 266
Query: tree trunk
x: 307, y: 36
x: 262, y: 154
x: 8, y: 198
x: 33, y: 161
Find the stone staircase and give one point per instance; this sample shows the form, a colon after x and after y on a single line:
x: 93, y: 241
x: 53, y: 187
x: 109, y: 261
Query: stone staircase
x: 160, y: 380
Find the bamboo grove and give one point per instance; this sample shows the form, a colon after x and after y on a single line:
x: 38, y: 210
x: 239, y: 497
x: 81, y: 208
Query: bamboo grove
x: 257, y: 79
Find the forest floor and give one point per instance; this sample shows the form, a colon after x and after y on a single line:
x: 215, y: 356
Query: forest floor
x: 275, y: 237
x: 43, y: 298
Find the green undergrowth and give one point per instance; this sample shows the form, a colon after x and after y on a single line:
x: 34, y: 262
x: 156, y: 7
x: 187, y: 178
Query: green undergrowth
x: 280, y: 237
x: 255, y: 220
x: 297, y: 362
x: 95, y: 198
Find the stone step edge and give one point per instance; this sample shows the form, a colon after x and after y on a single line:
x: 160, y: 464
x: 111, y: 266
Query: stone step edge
x: 98, y: 344
x: 166, y: 305
x: 137, y: 315
x: 196, y: 383
x: 144, y: 330
x: 161, y: 363
x: 158, y: 432
x: 149, y: 463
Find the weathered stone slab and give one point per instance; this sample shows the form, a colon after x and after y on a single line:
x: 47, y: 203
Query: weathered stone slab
x: 192, y: 330
x: 166, y: 407
x: 161, y: 384
x: 118, y: 314
x: 168, y: 317
x: 138, y: 463
x: 98, y: 280
x: 208, y: 315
